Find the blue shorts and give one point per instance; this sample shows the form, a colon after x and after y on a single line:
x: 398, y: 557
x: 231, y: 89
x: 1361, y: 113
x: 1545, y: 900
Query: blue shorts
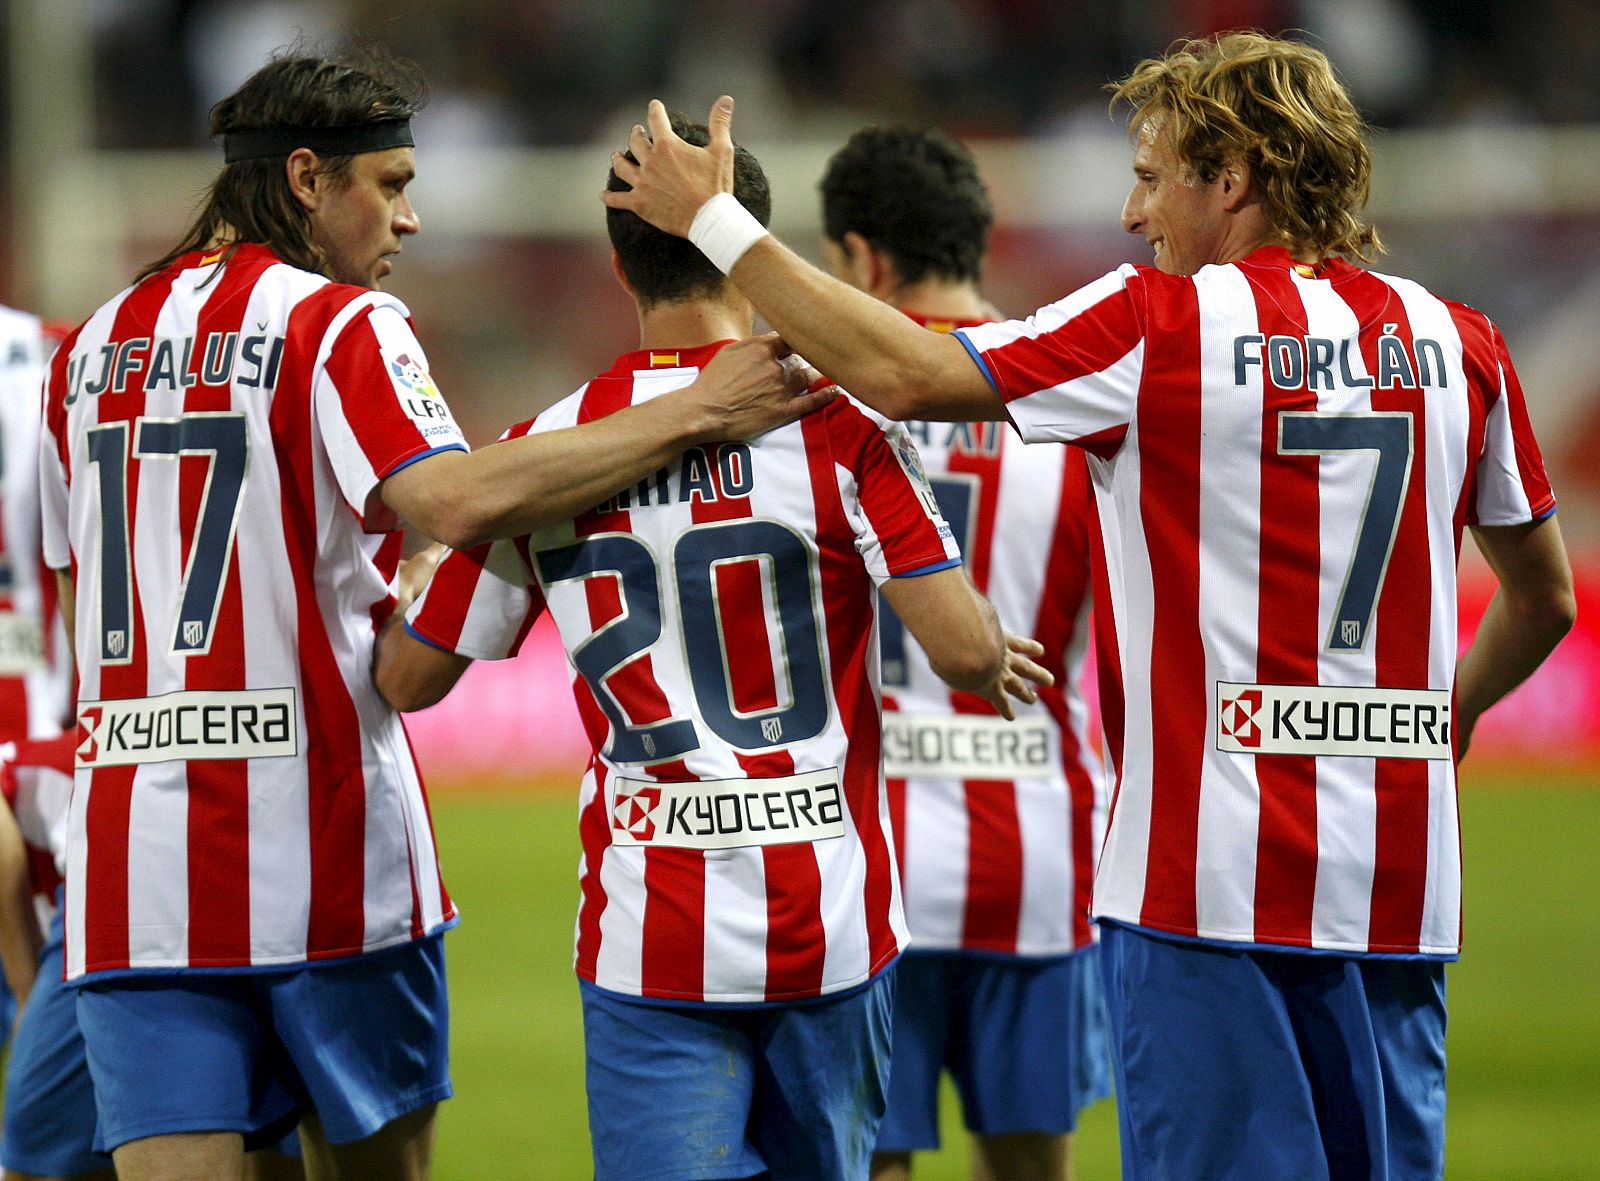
x: 681, y: 1093
x: 1024, y: 1039
x: 360, y: 1042
x: 49, y: 1108
x: 1268, y: 1064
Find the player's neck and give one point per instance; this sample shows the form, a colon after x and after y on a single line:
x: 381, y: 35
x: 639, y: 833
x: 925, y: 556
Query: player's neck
x: 940, y: 299
x: 688, y: 323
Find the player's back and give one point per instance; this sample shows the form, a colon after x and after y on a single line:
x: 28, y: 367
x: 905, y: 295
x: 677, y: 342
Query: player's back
x: 204, y: 432
x: 1285, y: 456
x: 721, y: 617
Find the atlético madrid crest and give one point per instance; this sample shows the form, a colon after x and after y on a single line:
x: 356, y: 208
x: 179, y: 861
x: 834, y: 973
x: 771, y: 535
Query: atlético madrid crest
x: 412, y: 377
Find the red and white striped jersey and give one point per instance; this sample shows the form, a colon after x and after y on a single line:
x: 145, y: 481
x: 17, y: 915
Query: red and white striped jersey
x: 997, y: 824
x: 721, y: 620
x: 214, y: 440
x: 35, y: 665
x: 1284, y: 457
x: 36, y: 779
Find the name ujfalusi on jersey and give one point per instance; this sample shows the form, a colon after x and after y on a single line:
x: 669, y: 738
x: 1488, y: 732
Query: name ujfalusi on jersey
x: 1333, y: 720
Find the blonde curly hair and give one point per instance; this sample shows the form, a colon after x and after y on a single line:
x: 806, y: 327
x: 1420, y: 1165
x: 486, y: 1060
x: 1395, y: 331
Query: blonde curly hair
x: 1278, y: 106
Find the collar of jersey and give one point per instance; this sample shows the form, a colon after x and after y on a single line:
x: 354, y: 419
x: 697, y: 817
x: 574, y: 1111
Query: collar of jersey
x: 942, y: 323
x: 244, y: 252
x: 666, y: 358
x: 1275, y: 255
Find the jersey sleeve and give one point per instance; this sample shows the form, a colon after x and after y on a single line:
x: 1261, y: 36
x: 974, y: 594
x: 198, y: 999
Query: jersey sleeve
x: 1512, y: 488
x: 480, y: 603
x: 55, y: 544
x: 378, y: 408
x: 900, y: 532
x: 1069, y: 373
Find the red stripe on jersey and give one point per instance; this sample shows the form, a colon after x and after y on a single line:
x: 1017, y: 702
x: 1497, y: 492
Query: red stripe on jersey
x: 1169, y: 506
x: 1288, y: 629
x: 844, y: 584
x: 748, y: 643
x: 219, y: 790
x: 336, y: 784
x: 594, y: 831
x: 1107, y: 653
x: 994, y: 863
x: 1401, y: 623
x: 106, y: 943
x: 1068, y: 575
x: 895, y: 790
x: 1093, y: 340
x: 977, y: 549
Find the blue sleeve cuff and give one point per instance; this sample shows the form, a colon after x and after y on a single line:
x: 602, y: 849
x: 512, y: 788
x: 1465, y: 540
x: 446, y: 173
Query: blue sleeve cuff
x: 947, y: 564
x: 1547, y: 514
x: 420, y: 638
x: 400, y: 467
x: 977, y: 359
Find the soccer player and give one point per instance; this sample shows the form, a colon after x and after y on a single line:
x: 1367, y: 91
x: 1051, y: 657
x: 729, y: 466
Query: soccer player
x: 229, y: 448
x: 739, y: 903
x: 997, y: 826
x: 1285, y: 448
x: 49, y: 1126
x: 35, y: 663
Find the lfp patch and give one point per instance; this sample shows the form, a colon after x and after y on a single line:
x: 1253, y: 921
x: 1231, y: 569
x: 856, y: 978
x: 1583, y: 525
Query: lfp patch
x: 413, y: 377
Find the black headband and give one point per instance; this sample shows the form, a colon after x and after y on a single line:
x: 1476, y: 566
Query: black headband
x: 260, y: 143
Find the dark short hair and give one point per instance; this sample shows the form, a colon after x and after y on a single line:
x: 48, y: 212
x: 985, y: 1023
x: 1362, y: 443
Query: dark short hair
x: 662, y: 267
x: 363, y: 84
x: 914, y: 193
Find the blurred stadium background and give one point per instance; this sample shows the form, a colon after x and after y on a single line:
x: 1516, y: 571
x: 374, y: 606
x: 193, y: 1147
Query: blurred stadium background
x: 1487, y: 189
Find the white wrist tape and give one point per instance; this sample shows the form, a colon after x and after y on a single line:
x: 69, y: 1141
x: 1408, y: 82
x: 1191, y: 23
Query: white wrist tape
x: 723, y: 229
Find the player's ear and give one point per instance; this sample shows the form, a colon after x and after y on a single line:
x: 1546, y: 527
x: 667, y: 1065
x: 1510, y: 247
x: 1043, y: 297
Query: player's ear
x: 862, y: 260
x: 1234, y: 179
x: 622, y: 276
x: 301, y: 170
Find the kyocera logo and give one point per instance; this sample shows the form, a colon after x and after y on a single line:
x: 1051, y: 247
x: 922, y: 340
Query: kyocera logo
x: 1238, y: 718
x: 633, y: 813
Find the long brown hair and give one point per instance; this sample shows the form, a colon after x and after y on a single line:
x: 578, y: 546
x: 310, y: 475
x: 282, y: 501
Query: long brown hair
x: 250, y: 201
x: 1278, y: 106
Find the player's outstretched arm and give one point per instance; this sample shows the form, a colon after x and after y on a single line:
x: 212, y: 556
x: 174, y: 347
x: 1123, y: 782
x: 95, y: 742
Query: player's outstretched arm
x: 958, y: 629
x: 1533, y: 608
x: 521, y: 485
x: 899, y: 368
x: 20, y: 937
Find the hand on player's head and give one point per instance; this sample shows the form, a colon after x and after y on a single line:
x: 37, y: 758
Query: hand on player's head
x: 670, y: 179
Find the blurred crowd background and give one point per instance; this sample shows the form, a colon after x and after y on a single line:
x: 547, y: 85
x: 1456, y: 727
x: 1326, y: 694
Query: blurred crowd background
x: 516, y: 311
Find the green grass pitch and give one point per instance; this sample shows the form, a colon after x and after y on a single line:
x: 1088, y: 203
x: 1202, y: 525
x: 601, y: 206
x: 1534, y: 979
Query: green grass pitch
x: 1524, y: 1038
